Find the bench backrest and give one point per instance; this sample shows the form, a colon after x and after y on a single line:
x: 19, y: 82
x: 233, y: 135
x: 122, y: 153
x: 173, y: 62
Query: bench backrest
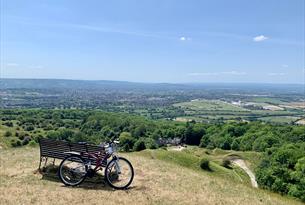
x: 57, y: 148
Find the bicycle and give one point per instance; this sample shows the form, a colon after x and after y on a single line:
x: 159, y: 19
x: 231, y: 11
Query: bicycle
x: 118, y: 173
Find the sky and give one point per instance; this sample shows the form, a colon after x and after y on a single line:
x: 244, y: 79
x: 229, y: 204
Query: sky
x: 173, y: 41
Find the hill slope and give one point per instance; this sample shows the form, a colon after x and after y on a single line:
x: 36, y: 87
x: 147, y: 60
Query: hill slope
x: 156, y: 182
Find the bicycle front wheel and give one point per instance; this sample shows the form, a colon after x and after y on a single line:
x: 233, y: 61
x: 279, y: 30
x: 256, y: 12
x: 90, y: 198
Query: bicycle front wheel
x: 72, y: 171
x: 119, y: 173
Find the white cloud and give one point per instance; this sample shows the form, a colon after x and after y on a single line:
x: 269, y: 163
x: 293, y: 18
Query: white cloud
x: 12, y: 64
x: 260, y: 38
x: 183, y: 38
x: 233, y: 72
x: 276, y: 74
x: 285, y: 66
x: 25, y: 66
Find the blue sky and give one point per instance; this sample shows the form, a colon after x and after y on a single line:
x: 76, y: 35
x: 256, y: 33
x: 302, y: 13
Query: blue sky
x: 259, y: 41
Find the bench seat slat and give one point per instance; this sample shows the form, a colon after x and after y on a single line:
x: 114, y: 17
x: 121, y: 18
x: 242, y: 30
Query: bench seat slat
x: 56, y: 148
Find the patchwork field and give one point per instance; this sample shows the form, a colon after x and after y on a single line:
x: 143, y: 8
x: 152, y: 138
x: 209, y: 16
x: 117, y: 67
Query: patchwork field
x: 260, y: 108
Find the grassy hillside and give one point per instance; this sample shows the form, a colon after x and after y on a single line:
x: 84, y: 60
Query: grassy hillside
x: 161, y: 177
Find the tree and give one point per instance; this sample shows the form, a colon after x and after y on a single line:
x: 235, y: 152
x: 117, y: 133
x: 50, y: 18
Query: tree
x: 205, y: 140
x: 193, y: 134
x: 264, y: 142
x: 235, y: 145
x: 150, y: 143
x: 126, y: 141
x: 282, y: 169
x: 298, y: 189
x: 140, y: 131
x: 139, y: 145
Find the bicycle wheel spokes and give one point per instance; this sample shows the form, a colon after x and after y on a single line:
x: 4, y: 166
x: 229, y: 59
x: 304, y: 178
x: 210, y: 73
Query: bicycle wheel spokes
x: 72, y: 171
x: 121, y: 176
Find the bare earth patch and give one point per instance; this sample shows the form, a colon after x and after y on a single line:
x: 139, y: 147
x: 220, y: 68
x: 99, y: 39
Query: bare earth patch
x: 176, y: 148
x: 241, y: 163
x: 301, y: 122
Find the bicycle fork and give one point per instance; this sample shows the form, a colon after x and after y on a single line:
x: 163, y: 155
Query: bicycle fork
x: 117, y: 165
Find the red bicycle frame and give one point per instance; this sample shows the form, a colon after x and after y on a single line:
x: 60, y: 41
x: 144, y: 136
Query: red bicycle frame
x: 99, y: 159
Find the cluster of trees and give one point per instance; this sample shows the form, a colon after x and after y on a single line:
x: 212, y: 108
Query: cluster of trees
x: 254, y: 136
x: 282, y: 168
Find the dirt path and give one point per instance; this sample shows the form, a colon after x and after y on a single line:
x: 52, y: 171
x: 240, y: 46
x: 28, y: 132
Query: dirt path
x: 241, y: 163
x: 176, y: 148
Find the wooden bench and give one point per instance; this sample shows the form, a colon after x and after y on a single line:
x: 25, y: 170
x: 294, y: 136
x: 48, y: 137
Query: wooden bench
x: 56, y: 149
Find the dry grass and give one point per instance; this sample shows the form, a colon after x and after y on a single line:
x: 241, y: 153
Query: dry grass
x: 156, y: 182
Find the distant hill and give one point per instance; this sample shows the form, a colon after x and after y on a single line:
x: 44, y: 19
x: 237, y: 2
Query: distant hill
x: 10, y: 83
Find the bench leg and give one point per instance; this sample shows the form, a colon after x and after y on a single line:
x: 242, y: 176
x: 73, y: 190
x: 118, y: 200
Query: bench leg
x: 40, y: 164
x: 45, y: 163
x: 53, y: 162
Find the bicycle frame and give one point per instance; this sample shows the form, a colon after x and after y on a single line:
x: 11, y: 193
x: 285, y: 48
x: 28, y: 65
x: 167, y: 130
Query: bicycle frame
x: 97, y: 156
x: 100, y: 157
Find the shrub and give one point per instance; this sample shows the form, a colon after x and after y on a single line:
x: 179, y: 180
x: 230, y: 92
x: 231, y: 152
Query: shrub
x: 48, y: 127
x: 126, y: 141
x: 205, y: 164
x: 7, y: 134
x: 8, y: 124
x: 125, y: 148
x: 16, y: 143
x: 37, y: 138
x: 26, y: 140
x: 21, y: 135
x: 139, y: 145
x: 226, y: 163
x: 32, y: 143
x: 150, y: 144
x: 29, y: 128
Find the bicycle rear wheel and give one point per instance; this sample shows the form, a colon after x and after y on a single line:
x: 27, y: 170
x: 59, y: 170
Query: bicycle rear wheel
x: 119, y: 173
x: 72, y: 171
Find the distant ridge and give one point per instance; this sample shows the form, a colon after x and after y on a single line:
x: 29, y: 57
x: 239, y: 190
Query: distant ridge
x: 15, y: 83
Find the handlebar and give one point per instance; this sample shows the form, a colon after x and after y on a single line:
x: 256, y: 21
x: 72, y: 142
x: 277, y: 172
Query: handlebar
x: 111, y: 141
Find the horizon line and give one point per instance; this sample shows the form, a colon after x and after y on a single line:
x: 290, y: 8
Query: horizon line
x: 172, y: 83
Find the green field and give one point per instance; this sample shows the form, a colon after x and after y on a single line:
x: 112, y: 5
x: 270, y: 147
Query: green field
x: 211, y: 105
x: 280, y: 119
x: 267, y: 100
x: 213, y: 110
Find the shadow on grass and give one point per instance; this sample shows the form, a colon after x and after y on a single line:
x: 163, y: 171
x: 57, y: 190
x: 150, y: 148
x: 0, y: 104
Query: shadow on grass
x: 50, y: 173
x: 208, y: 169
